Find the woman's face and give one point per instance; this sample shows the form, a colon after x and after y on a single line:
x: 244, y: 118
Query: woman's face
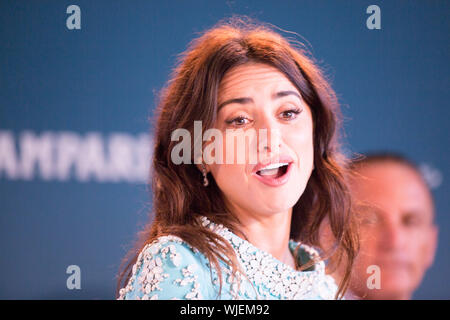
x: 257, y: 101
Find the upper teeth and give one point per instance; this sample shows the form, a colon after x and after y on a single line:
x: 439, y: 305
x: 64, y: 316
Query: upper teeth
x: 274, y: 166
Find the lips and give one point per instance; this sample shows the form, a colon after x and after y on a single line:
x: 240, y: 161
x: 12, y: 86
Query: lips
x: 273, y: 172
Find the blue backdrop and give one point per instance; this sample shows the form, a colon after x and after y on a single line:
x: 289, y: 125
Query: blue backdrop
x: 75, y: 103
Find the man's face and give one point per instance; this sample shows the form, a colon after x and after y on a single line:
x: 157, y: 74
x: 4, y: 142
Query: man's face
x: 397, y: 231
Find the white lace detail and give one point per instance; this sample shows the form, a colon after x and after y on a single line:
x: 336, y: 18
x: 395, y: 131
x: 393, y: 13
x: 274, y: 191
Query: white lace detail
x: 279, y: 279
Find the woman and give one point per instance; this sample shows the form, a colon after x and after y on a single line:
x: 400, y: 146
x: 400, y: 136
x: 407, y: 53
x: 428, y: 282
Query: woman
x: 244, y: 230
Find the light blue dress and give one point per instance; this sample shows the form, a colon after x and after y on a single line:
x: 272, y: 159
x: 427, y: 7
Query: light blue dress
x: 169, y: 268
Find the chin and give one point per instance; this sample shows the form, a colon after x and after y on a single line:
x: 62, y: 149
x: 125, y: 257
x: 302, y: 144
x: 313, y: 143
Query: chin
x: 279, y: 203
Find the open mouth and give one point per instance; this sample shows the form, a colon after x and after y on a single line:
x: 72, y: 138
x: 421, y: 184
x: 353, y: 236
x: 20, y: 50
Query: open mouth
x: 273, y: 171
x: 275, y: 174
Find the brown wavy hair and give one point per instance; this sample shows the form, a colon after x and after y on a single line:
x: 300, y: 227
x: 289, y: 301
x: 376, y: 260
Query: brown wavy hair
x: 179, y: 196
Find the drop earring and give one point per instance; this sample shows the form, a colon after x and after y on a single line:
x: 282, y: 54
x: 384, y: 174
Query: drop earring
x: 205, y: 178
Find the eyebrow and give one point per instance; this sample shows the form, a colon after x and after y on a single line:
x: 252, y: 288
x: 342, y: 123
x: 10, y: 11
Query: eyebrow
x: 246, y: 100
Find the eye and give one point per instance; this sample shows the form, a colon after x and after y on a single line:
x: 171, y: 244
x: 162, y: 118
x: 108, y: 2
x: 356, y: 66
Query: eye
x: 410, y: 220
x: 368, y: 216
x: 370, y: 220
x: 290, y: 114
x: 238, y: 121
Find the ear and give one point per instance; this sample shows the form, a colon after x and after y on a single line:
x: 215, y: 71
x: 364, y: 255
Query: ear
x: 432, y: 245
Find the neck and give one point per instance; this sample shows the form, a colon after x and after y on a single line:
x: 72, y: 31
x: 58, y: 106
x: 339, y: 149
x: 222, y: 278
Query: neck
x: 269, y: 233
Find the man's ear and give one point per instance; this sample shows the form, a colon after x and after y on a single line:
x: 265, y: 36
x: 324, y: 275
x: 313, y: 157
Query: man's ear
x: 432, y: 245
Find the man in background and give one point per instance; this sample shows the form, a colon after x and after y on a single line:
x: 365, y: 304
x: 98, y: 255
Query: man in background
x: 398, y: 237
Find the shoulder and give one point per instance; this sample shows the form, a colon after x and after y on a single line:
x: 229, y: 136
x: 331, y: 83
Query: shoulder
x: 326, y: 286
x: 169, y: 268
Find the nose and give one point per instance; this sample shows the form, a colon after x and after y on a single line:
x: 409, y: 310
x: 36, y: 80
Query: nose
x: 269, y: 137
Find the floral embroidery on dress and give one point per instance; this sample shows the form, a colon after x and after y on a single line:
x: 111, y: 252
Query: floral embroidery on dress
x: 152, y: 269
x: 161, y: 267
